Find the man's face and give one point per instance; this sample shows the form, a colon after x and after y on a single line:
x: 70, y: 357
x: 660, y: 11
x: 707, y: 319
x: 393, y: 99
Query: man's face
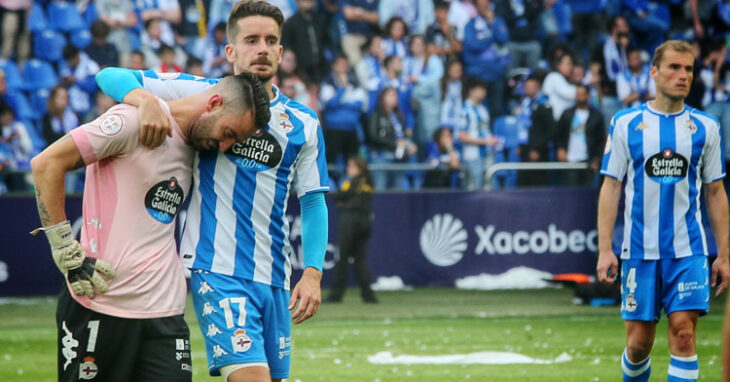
x: 288, y: 88
x: 634, y: 60
x: 483, y: 6
x: 136, y: 62
x: 532, y: 87
x: 256, y: 48
x: 674, y: 75
x: 306, y: 5
x: 217, y: 129
x: 3, y: 84
x: 581, y: 96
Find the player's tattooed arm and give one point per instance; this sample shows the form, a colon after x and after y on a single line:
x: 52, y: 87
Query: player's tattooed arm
x: 42, y: 210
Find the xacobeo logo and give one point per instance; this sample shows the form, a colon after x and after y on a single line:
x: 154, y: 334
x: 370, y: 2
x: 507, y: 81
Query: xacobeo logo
x: 443, y: 240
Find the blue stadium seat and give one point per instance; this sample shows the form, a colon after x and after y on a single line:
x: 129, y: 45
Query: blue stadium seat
x: 505, y: 127
x: 39, y: 101
x: 37, y: 21
x: 81, y: 38
x: 39, y: 74
x: 12, y: 75
x: 90, y: 14
x: 21, y: 106
x: 48, y: 45
x: 64, y: 16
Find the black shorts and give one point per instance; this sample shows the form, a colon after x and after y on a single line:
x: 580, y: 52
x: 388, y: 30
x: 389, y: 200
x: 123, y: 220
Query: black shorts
x: 97, y: 347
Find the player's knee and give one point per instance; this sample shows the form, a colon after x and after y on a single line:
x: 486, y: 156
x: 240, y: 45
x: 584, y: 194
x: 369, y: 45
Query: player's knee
x: 683, y: 339
x: 638, y: 349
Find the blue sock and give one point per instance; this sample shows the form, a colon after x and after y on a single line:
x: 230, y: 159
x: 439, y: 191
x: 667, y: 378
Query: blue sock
x: 635, y: 372
x: 683, y: 369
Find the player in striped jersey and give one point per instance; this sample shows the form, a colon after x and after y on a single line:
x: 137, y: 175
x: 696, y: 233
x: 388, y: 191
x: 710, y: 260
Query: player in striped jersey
x: 236, y: 235
x: 666, y: 153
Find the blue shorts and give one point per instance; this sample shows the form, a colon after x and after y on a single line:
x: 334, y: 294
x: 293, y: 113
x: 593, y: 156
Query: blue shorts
x: 648, y: 286
x: 242, y: 322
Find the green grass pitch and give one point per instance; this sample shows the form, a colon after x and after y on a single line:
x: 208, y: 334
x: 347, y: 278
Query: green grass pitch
x: 335, y: 345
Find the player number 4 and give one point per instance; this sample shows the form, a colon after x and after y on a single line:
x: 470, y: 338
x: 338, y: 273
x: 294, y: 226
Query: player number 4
x: 225, y: 304
x: 631, y: 280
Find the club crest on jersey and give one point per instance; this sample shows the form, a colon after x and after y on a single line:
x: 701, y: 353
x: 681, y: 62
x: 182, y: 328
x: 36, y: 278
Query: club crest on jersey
x: 259, y: 152
x: 284, y: 123
x: 666, y: 167
x: 631, y: 304
x: 163, y: 200
x: 88, y: 369
x: 241, y: 342
x: 111, y: 125
x: 691, y: 126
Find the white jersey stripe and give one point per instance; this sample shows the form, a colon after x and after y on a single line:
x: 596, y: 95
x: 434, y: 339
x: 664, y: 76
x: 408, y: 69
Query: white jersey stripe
x: 225, y: 218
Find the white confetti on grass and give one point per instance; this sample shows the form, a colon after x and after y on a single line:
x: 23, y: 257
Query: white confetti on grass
x: 515, y: 278
x: 483, y: 358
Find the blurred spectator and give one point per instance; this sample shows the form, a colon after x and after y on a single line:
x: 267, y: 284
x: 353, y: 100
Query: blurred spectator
x: 215, y: 63
x: 102, y: 104
x: 395, y: 38
x: 369, y: 70
x: 441, y: 155
x: 77, y: 73
x: 424, y: 72
x: 356, y: 21
x: 218, y: 12
x: 354, y: 202
x: 522, y: 18
x: 287, y: 7
x: 343, y: 103
x: 389, y: 140
x: 119, y: 15
x: 558, y: 88
x: 612, y: 57
x: 14, y: 35
x: 634, y: 86
x: 151, y: 42
x: 417, y: 14
x: 711, y: 19
x: 474, y: 133
x: 441, y: 35
x: 100, y: 50
x: 460, y: 13
x: 14, y: 133
x: 192, y: 30
x: 194, y: 66
x: 304, y: 93
x: 59, y: 119
x: 536, y: 127
x: 485, y: 56
x: 392, y: 78
x: 649, y: 21
x: 715, y: 74
x: 555, y: 22
x: 305, y: 34
x: 12, y: 97
x: 452, y: 95
x: 697, y: 89
x: 166, y: 11
x: 168, y: 61
x: 580, y: 138
x: 586, y: 17
x: 137, y: 61
x: 578, y: 75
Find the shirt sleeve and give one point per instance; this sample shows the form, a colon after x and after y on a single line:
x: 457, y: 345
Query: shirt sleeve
x: 171, y: 86
x: 615, y: 155
x: 114, y: 133
x: 712, y: 157
x: 311, y: 168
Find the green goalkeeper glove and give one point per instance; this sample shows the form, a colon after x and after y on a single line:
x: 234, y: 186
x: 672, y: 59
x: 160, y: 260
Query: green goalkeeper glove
x: 83, y: 273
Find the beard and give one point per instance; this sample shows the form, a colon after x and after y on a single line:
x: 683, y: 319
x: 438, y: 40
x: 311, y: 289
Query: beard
x: 199, y: 134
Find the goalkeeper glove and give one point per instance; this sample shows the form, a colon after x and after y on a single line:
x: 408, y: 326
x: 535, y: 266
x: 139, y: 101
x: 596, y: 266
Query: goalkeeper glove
x: 70, y: 258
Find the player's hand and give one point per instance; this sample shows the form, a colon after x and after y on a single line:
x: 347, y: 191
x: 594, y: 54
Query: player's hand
x: 71, y: 260
x: 88, y: 276
x: 153, y: 123
x: 309, y: 294
x: 607, y: 267
x: 720, y: 268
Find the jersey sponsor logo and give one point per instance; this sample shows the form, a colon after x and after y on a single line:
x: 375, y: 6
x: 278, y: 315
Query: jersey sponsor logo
x: 284, y: 342
x: 631, y: 304
x: 218, y: 351
x: 111, y: 125
x: 68, y: 344
x: 88, y: 369
x: 182, y: 344
x: 241, y: 342
x: 443, y: 240
x: 259, y: 152
x: 213, y: 331
x: 180, y: 355
x: 163, y: 200
x: 667, y: 167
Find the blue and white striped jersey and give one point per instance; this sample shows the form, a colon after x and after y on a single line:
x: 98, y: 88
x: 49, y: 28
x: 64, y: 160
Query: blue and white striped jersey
x: 475, y: 122
x: 236, y: 223
x: 665, y: 159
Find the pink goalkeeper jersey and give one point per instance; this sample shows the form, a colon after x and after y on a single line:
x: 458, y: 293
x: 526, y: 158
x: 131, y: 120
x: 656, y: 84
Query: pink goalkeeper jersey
x: 131, y: 199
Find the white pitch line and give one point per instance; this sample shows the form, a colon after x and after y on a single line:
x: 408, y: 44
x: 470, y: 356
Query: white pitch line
x: 483, y: 358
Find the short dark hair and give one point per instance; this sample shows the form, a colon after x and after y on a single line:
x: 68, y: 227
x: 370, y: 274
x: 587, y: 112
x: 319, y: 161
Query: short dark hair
x: 70, y: 51
x: 99, y: 29
x: 193, y: 61
x: 389, y: 25
x: 164, y: 48
x: 584, y: 86
x: 253, y: 96
x: 441, y: 4
x: 632, y: 49
x: 248, y: 8
x: 471, y: 83
x: 389, y: 59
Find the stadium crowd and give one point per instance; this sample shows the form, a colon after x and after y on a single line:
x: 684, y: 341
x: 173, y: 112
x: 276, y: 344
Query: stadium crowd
x: 457, y: 84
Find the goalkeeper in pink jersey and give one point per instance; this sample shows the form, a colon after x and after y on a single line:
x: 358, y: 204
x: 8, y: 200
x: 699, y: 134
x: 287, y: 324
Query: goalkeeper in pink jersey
x: 121, y: 316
